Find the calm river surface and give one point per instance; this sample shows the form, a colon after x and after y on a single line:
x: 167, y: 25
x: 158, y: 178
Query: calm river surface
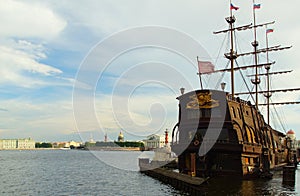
x: 58, y: 172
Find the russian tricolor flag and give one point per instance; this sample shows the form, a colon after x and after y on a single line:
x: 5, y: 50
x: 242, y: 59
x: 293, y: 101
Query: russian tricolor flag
x: 232, y: 7
x: 256, y: 6
x: 269, y: 30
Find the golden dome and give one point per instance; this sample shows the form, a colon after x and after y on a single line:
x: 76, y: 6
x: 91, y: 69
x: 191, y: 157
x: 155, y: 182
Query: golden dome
x: 120, y: 137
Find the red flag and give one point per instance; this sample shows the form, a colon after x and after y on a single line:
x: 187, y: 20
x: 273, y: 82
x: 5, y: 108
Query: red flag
x: 205, y: 67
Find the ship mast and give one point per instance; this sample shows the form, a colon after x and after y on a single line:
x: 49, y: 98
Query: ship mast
x: 232, y: 56
x: 268, y: 94
x: 256, y: 81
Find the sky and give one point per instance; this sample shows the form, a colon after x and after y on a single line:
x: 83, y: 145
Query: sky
x: 82, y: 69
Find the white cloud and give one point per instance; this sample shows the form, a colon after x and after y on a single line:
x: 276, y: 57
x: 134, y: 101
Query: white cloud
x: 49, y: 22
x: 27, y: 19
x: 20, y: 59
x: 26, y: 118
x: 140, y: 114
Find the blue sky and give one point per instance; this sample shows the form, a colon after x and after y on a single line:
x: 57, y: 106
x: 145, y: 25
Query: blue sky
x: 44, y: 44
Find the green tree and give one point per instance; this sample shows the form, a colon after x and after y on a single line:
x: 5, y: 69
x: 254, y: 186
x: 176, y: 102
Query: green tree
x: 43, y: 145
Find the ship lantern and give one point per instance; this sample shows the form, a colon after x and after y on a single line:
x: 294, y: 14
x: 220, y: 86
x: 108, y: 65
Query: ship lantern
x: 223, y: 84
x: 182, y: 90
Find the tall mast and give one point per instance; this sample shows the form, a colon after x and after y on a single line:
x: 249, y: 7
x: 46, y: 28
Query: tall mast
x: 256, y: 81
x: 267, y: 67
x: 232, y: 56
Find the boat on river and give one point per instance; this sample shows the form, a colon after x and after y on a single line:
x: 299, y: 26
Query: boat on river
x: 223, y: 133
x: 65, y: 148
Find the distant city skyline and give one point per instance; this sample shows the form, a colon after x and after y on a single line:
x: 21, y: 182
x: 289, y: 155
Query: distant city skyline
x: 43, y: 44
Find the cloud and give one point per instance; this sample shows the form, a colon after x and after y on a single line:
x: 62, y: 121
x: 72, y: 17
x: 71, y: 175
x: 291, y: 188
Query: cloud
x: 26, y: 28
x: 20, y: 66
x: 27, y: 19
x: 26, y: 118
x: 31, y: 30
x: 141, y: 114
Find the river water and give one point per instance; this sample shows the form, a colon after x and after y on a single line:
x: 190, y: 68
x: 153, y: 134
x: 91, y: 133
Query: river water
x: 75, y: 172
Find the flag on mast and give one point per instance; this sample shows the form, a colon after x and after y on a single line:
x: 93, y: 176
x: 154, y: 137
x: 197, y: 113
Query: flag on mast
x: 269, y: 30
x: 232, y: 7
x: 256, y: 6
x: 205, y: 67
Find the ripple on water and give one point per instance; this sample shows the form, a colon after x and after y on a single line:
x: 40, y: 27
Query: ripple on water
x: 55, y: 172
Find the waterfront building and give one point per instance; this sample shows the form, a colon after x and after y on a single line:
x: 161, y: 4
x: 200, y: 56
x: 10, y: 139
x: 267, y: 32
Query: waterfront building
x: 121, y: 137
x: 74, y: 144
x: 67, y: 144
x: 7, y: 144
x: 26, y: 143
x: 154, y: 141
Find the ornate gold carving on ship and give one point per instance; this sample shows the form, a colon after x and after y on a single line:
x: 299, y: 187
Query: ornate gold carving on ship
x: 202, y: 100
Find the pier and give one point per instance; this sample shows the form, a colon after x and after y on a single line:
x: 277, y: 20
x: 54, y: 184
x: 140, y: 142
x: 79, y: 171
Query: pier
x: 183, y: 182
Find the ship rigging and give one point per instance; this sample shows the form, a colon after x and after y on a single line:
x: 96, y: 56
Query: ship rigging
x: 219, y: 133
x: 232, y: 56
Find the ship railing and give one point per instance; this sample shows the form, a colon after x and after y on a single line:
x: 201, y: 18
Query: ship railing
x: 220, y: 141
x: 207, y: 141
x: 237, y: 99
x: 251, y: 144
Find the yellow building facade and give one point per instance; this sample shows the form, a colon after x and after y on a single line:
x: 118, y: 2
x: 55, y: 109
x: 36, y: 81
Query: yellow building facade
x: 8, y: 144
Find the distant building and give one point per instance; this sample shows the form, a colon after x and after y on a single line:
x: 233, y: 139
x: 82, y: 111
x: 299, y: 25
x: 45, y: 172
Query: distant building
x: 67, y: 144
x: 25, y: 143
x: 73, y: 143
x: 121, y: 137
x: 7, y: 144
x: 154, y: 141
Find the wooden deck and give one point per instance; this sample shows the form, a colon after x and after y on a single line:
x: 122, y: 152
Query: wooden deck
x: 182, y: 182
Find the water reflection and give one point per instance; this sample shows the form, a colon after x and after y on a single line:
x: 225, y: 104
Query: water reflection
x: 274, y: 186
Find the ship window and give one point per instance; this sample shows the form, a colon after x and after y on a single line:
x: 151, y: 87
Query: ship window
x: 233, y: 112
x: 246, y: 160
x: 239, y: 113
x: 254, y: 136
x: 251, y: 161
x: 249, y: 135
x: 247, y: 113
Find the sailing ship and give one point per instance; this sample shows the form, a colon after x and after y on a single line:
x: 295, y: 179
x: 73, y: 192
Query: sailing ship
x: 219, y: 133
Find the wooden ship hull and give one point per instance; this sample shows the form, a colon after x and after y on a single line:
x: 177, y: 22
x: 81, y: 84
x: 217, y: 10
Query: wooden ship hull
x: 234, y: 135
